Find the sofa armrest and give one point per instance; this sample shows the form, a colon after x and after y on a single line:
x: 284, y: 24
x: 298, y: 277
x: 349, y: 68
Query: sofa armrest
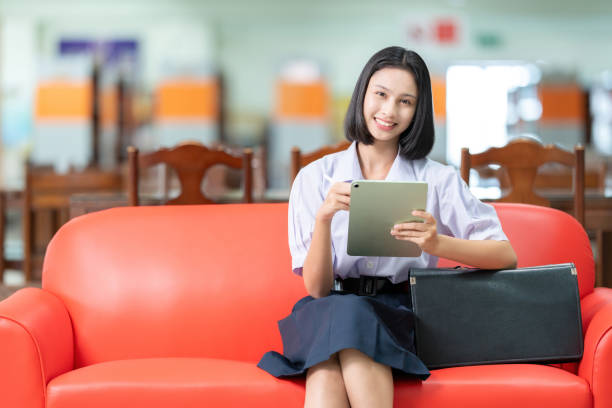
x: 592, y: 303
x: 36, y: 345
x: 596, y: 364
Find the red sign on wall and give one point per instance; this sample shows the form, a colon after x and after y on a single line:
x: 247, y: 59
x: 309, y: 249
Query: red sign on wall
x: 445, y: 31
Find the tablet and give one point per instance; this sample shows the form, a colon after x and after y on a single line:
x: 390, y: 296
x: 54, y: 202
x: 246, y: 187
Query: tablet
x: 376, y: 206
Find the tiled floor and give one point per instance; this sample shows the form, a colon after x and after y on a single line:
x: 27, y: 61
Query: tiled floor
x: 13, y: 278
x: 6, y: 291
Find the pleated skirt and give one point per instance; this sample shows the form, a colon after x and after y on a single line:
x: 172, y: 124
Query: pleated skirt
x: 381, y: 327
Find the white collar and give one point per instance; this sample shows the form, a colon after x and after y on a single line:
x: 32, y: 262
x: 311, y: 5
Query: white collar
x: 348, y: 168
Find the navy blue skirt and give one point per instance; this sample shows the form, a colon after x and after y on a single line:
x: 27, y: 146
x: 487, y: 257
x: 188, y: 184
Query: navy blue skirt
x: 381, y: 327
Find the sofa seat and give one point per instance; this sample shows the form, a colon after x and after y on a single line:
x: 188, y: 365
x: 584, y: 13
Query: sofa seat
x: 197, y: 382
x: 500, y: 386
x: 172, y: 382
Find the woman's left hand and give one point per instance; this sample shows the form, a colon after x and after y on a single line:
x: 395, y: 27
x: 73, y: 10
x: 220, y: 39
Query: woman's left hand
x: 424, y: 234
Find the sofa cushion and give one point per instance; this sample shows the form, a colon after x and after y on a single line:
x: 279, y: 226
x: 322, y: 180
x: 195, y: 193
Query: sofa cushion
x: 172, y: 382
x: 198, y: 382
x: 500, y: 386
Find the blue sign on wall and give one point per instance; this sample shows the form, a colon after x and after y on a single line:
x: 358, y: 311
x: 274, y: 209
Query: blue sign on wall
x: 110, y: 51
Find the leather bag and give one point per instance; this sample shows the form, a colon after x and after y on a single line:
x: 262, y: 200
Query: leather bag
x: 474, y: 316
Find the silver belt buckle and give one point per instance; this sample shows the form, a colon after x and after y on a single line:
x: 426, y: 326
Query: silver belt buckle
x: 338, y: 286
x: 368, y: 286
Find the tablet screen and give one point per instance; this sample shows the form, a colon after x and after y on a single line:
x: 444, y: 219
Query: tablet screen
x: 376, y: 206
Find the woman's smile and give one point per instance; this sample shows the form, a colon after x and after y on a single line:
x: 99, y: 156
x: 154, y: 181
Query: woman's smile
x: 383, y: 124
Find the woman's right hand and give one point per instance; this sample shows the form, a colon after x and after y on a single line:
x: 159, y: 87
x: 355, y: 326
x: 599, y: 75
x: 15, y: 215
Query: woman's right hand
x: 338, y: 198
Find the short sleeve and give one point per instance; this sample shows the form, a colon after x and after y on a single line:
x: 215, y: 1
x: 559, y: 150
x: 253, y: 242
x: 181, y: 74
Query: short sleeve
x: 464, y: 215
x: 304, y: 202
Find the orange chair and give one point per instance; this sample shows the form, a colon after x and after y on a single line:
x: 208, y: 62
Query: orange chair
x: 191, y: 161
x: 299, y: 159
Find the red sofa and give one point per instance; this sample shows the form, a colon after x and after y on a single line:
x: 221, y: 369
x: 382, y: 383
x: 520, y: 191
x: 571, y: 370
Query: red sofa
x: 173, y: 306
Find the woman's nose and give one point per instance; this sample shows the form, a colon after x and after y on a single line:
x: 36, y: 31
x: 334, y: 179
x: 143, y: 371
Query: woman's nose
x: 389, y: 107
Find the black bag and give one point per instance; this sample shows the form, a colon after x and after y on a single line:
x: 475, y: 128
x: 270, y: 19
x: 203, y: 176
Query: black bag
x: 474, y: 316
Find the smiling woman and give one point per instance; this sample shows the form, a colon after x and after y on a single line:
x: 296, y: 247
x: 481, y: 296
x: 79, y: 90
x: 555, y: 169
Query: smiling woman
x: 341, y: 339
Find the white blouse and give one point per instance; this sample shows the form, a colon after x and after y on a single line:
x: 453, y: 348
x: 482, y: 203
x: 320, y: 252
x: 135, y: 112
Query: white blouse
x: 457, y: 212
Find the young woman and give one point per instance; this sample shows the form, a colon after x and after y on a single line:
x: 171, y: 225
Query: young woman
x: 348, y: 344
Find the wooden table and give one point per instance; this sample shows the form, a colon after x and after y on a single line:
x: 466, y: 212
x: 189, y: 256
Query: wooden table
x: 85, y: 203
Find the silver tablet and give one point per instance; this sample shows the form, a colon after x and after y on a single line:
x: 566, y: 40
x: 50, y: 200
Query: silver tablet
x: 376, y: 206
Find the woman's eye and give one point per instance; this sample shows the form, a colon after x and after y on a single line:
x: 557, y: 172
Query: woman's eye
x: 380, y: 93
x: 406, y: 102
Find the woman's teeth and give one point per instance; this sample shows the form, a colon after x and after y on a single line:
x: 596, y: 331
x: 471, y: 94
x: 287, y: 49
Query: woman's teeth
x: 384, y: 123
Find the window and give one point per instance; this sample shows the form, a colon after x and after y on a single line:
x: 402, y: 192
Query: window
x: 488, y: 103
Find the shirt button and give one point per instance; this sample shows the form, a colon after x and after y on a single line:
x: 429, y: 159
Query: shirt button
x: 370, y: 264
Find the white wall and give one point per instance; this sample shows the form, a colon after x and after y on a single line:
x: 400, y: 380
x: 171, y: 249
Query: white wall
x: 250, y: 40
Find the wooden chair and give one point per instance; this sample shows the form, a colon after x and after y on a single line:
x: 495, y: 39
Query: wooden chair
x: 299, y: 160
x: 521, y: 159
x: 46, y: 204
x: 191, y: 161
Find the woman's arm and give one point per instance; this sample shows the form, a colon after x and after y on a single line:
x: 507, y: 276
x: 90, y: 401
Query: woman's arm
x: 486, y: 254
x: 317, y: 270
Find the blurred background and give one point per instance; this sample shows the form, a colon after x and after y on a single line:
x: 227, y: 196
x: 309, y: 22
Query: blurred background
x: 80, y: 80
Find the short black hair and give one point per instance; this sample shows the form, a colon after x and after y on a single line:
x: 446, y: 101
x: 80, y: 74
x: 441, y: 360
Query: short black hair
x: 417, y: 140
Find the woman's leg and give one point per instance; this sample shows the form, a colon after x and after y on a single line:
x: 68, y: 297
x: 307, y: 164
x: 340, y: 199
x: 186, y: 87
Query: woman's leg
x: 368, y: 383
x: 324, y: 385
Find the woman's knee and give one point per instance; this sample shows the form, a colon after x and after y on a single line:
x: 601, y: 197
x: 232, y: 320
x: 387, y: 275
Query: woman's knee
x: 325, y: 385
x: 326, y: 369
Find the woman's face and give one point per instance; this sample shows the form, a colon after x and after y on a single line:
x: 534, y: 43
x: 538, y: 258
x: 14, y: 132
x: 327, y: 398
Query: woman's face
x: 390, y: 103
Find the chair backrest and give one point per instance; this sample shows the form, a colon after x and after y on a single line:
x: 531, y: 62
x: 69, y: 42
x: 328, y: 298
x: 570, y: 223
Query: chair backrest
x: 191, y: 161
x: 168, y: 281
x: 299, y: 159
x: 521, y: 159
x: 49, y: 191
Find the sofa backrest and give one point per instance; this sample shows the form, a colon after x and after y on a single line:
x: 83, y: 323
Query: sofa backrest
x: 174, y: 281
x: 212, y: 280
x: 545, y: 236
